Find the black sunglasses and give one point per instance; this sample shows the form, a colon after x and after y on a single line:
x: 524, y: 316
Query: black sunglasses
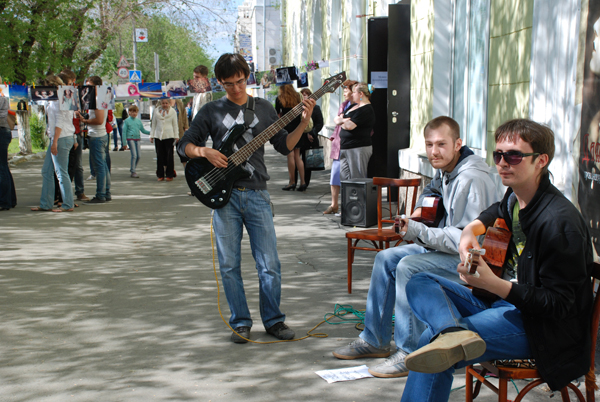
x: 511, y: 157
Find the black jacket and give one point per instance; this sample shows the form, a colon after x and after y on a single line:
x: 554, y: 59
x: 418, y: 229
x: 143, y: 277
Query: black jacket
x: 554, y: 292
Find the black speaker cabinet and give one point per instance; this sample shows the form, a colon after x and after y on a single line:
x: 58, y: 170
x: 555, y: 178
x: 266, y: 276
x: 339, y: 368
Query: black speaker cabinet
x: 359, y: 203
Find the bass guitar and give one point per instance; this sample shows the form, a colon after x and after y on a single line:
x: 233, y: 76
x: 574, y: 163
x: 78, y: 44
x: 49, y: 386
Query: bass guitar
x: 212, y: 186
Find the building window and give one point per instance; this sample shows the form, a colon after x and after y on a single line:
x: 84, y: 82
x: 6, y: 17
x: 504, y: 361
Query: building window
x: 470, y: 71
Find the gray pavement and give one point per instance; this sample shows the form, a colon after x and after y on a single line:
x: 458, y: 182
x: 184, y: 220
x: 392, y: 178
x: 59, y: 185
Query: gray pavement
x: 118, y: 302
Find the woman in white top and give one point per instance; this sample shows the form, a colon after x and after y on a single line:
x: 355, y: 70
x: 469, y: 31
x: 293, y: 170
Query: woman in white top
x: 61, y: 132
x: 164, y: 130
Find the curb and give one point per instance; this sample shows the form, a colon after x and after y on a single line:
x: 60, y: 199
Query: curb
x: 18, y: 159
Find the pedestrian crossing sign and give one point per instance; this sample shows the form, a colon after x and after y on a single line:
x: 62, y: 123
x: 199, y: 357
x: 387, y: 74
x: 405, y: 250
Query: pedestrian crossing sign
x: 135, y: 76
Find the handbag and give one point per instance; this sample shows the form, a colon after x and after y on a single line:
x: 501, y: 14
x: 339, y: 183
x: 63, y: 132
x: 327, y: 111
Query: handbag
x: 314, y: 159
x: 12, y: 120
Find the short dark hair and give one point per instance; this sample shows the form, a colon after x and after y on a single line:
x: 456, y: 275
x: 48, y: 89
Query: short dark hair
x: 202, y: 70
x: 439, y: 121
x: 230, y: 64
x: 541, y: 138
x: 94, y: 79
x: 67, y: 75
x: 306, y: 91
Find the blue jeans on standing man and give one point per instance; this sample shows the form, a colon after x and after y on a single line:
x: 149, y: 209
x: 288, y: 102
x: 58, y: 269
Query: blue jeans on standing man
x: 250, y: 208
x: 444, y: 304
x: 392, y: 270
x: 120, y: 129
x: 97, y: 147
x: 8, y: 196
x: 58, y: 163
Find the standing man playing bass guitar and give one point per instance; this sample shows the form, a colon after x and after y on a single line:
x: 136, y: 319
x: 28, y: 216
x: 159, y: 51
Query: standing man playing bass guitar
x: 463, y: 182
x: 544, y: 313
x: 249, y: 204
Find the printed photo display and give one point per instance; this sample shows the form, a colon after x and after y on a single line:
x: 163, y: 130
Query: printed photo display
x: 127, y: 91
x: 152, y: 90
x: 68, y: 98
x: 4, y: 91
x: 199, y: 86
x: 176, y: 89
x: 44, y: 94
x: 19, y: 97
x: 87, y: 97
x: 105, y: 99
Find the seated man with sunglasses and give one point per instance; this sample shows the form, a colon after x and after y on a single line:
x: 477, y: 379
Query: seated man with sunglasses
x: 544, y: 299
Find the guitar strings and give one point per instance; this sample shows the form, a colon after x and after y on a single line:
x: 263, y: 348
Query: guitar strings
x: 217, y: 174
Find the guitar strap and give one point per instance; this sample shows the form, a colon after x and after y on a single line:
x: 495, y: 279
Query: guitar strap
x: 249, y: 112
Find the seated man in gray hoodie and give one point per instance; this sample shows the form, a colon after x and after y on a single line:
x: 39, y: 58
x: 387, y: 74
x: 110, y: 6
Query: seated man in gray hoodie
x: 463, y: 182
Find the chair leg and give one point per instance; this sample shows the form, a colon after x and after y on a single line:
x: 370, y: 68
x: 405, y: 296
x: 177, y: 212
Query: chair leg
x: 502, y: 390
x: 350, y: 261
x: 578, y: 393
x: 469, y: 384
x: 528, y: 388
x: 564, y: 393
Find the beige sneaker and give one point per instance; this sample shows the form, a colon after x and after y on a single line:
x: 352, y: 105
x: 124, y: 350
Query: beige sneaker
x: 445, y: 351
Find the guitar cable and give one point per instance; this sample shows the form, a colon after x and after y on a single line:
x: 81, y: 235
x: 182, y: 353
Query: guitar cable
x: 309, y: 334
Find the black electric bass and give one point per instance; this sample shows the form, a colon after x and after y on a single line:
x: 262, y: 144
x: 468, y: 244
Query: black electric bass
x: 211, y: 185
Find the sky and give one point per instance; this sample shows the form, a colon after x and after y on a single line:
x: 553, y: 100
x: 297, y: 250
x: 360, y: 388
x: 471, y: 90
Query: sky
x: 222, y: 41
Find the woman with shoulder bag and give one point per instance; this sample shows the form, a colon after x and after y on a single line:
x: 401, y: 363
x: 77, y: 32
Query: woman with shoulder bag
x: 312, y: 139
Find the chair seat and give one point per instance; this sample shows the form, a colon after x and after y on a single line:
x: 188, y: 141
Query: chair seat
x: 515, y: 373
x: 374, y: 235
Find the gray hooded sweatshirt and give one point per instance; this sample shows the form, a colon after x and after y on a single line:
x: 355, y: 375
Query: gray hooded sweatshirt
x: 466, y: 192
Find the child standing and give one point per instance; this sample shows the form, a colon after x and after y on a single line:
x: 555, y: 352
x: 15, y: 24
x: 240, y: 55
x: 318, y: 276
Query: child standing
x: 131, y: 136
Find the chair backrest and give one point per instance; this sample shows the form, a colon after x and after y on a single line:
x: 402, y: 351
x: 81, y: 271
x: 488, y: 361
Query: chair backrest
x: 407, y: 190
x: 590, y: 378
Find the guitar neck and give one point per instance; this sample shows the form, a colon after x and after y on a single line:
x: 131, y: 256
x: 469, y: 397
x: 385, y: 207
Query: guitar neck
x: 247, y: 150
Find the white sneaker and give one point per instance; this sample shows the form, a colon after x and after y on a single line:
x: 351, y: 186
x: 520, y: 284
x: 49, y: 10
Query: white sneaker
x: 91, y: 178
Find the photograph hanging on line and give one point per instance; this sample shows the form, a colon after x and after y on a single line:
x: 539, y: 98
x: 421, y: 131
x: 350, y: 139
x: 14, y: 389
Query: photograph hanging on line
x: 265, y: 79
x: 19, y: 97
x: 105, y: 99
x: 127, y: 91
x: 302, y: 80
x: 151, y: 90
x: 68, y: 98
x: 216, y: 87
x: 44, y: 94
x: 175, y: 89
x: 283, y: 76
x: 199, y: 85
x: 87, y: 97
x: 4, y: 91
x: 251, y: 81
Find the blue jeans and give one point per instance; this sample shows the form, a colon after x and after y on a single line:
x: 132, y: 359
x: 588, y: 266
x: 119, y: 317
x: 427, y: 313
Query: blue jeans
x: 120, y: 129
x: 60, y: 164
x: 392, y: 270
x: 443, y: 304
x: 8, y: 196
x: 250, y: 208
x: 98, y: 160
x: 134, y: 147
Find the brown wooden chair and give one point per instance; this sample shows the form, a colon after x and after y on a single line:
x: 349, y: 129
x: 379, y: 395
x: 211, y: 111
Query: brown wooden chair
x: 508, y: 373
x: 381, y: 238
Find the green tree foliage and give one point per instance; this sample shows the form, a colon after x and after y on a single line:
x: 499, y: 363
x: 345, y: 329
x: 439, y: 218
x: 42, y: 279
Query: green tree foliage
x: 177, y: 46
x: 39, y: 37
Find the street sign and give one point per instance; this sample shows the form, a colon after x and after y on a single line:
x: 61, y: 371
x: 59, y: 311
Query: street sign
x: 141, y: 35
x: 122, y: 62
x: 135, y: 76
x: 123, y: 72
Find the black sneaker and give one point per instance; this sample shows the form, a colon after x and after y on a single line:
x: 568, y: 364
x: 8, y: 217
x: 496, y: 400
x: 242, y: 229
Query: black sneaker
x: 95, y: 200
x: 281, y: 331
x: 108, y: 198
x: 243, y: 331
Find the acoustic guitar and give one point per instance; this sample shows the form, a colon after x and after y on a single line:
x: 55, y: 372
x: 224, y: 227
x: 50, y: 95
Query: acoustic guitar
x: 493, y: 251
x: 432, y: 213
x: 212, y: 186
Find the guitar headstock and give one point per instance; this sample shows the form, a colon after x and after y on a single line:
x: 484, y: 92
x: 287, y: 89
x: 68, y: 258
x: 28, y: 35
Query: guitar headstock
x: 334, y: 82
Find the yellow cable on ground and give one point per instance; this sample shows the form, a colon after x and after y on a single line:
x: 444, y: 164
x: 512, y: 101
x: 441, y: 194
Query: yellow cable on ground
x: 309, y: 334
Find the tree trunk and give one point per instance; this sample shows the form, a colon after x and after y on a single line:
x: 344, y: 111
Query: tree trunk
x: 24, y: 133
